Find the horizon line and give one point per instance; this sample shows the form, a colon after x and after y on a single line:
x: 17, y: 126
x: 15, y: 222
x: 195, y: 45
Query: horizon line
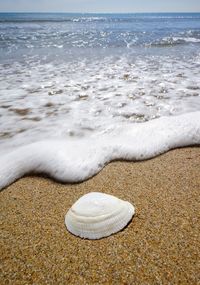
x: 58, y: 12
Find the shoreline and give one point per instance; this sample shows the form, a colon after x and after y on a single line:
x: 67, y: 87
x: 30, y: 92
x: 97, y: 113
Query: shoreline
x: 159, y: 246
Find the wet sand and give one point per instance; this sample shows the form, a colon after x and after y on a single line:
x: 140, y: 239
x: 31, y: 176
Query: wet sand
x: 159, y: 246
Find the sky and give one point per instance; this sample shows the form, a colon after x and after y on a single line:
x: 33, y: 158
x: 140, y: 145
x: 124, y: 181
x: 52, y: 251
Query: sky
x: 100, y: 6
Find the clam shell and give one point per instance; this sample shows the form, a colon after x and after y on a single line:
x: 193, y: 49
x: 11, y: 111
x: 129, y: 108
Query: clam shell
x: 96, y: 215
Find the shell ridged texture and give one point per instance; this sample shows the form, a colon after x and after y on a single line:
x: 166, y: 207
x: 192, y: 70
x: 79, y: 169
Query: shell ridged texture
x: 96, y: 215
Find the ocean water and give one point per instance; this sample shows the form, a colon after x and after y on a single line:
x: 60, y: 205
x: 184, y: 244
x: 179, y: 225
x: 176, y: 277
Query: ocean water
x: 84, y: 79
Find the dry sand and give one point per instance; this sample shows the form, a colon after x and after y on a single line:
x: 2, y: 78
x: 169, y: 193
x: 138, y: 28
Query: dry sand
x: 159, y: 246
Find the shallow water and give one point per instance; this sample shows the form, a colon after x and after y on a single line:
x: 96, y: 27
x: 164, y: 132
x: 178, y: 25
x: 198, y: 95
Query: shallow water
x: 64, y: 75
x: 79, y: 98
x: 74, y: 77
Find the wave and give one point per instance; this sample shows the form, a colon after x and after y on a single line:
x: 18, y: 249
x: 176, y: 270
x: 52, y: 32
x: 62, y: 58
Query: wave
x: 55, y: 19
x: 78, y: 159
x: 60, y: 17
x: 172, y: 41
x: 91, y: 40
x: 33, y: 20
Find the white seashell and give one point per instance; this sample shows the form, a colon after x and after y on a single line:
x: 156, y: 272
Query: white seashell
x: 96, y: 215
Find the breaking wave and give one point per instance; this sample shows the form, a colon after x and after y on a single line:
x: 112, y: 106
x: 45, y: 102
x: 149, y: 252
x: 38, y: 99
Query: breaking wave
x: 75, y: 160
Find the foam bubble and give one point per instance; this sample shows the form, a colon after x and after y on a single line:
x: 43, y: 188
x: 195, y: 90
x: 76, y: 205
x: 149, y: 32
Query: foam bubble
x: 74, y: 160
x: 46, y: 100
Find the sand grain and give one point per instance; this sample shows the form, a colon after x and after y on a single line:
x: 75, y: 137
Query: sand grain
x: 160, y: 245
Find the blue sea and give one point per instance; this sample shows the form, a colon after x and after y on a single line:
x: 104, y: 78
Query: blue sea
x: 75, y: 75
x: 50, y: 36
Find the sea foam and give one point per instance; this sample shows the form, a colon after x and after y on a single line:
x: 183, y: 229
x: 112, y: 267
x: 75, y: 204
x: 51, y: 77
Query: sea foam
x: 77, y: 159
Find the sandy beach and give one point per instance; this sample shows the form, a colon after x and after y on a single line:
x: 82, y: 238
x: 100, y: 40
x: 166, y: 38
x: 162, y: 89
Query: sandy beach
x: 159, y: 246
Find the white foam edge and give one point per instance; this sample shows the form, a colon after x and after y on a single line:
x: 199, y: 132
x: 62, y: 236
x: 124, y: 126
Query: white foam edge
x: 80, y: 159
